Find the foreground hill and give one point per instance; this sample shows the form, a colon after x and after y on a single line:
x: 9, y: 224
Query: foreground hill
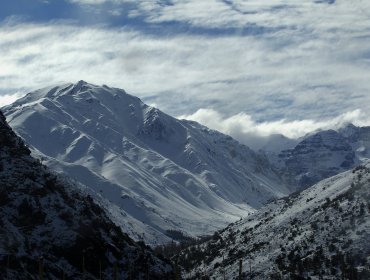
x: 159, y: 174
x: 320, y: 233
x: 49, y: 228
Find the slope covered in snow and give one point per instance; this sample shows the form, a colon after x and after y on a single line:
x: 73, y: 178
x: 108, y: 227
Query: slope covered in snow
x: 50, y: 229
x: 156, y: 173
x: 320, y: 233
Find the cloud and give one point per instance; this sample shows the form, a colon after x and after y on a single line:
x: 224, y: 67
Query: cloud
x: 282, y: 61
x: 251, y: 132
x: 9, y: 98
x: 99, y: 2
x: 88, y: 2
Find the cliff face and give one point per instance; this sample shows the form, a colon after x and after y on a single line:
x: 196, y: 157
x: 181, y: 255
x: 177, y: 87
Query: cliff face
x: 317, y: 157
x: 323, y: 154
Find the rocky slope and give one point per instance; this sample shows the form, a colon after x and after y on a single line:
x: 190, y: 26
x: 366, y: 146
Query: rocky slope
x: 320, y: 233
x: 158, y: 174
x: 318, y: 156
x: 359, y: 139
x: 50, y: 229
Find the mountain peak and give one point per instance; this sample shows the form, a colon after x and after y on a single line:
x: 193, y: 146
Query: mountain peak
x: 82, y: 87
x: 79, y: 86
x: 80, y: 90
x: 348, y: 130
x: 349, y: 125
x: 81, y: 82
x: 73, y: 88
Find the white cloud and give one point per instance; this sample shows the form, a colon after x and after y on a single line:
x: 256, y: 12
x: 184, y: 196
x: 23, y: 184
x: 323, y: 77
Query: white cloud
x: 9, y: 98
x: 247, y: 130
x: 285, y: 60
x: 96, y: 2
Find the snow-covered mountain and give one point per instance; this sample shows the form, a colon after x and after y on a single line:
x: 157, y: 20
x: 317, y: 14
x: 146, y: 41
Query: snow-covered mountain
x: 322, y: 154
x: 157, y: 173
x: 321, y: 233
x: 359, y: 139
x: 318, y: 156
x: 50, y: 228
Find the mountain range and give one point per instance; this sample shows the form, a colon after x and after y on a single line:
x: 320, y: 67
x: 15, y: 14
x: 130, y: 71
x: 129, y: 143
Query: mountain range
x: 109, y: 168
x: 156, y: 174
x: 322, y: 154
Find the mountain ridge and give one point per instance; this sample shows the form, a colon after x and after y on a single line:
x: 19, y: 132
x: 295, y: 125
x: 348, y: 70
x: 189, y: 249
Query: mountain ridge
x: 162, y: 172
x: 319, y: 233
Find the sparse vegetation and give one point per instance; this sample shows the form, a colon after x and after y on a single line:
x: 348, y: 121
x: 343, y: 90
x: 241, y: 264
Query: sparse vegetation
x: 323, y: 241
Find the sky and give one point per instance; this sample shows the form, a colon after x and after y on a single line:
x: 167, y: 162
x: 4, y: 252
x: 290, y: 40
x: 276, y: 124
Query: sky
x: 244, y: 67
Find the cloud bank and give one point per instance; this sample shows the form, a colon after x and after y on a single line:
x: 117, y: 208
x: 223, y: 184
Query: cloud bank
x: 255, y: 134
x: 9, y: 98
x: 288, y: 64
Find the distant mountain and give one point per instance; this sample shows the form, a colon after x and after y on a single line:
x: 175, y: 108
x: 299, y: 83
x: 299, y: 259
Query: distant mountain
x: 156, y: 173
x: 274, y: 143
x: 322, y: 154
x: 359, y: 139
x: 50, y: 229
x: 318, y: 156
x: 322, y: 232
